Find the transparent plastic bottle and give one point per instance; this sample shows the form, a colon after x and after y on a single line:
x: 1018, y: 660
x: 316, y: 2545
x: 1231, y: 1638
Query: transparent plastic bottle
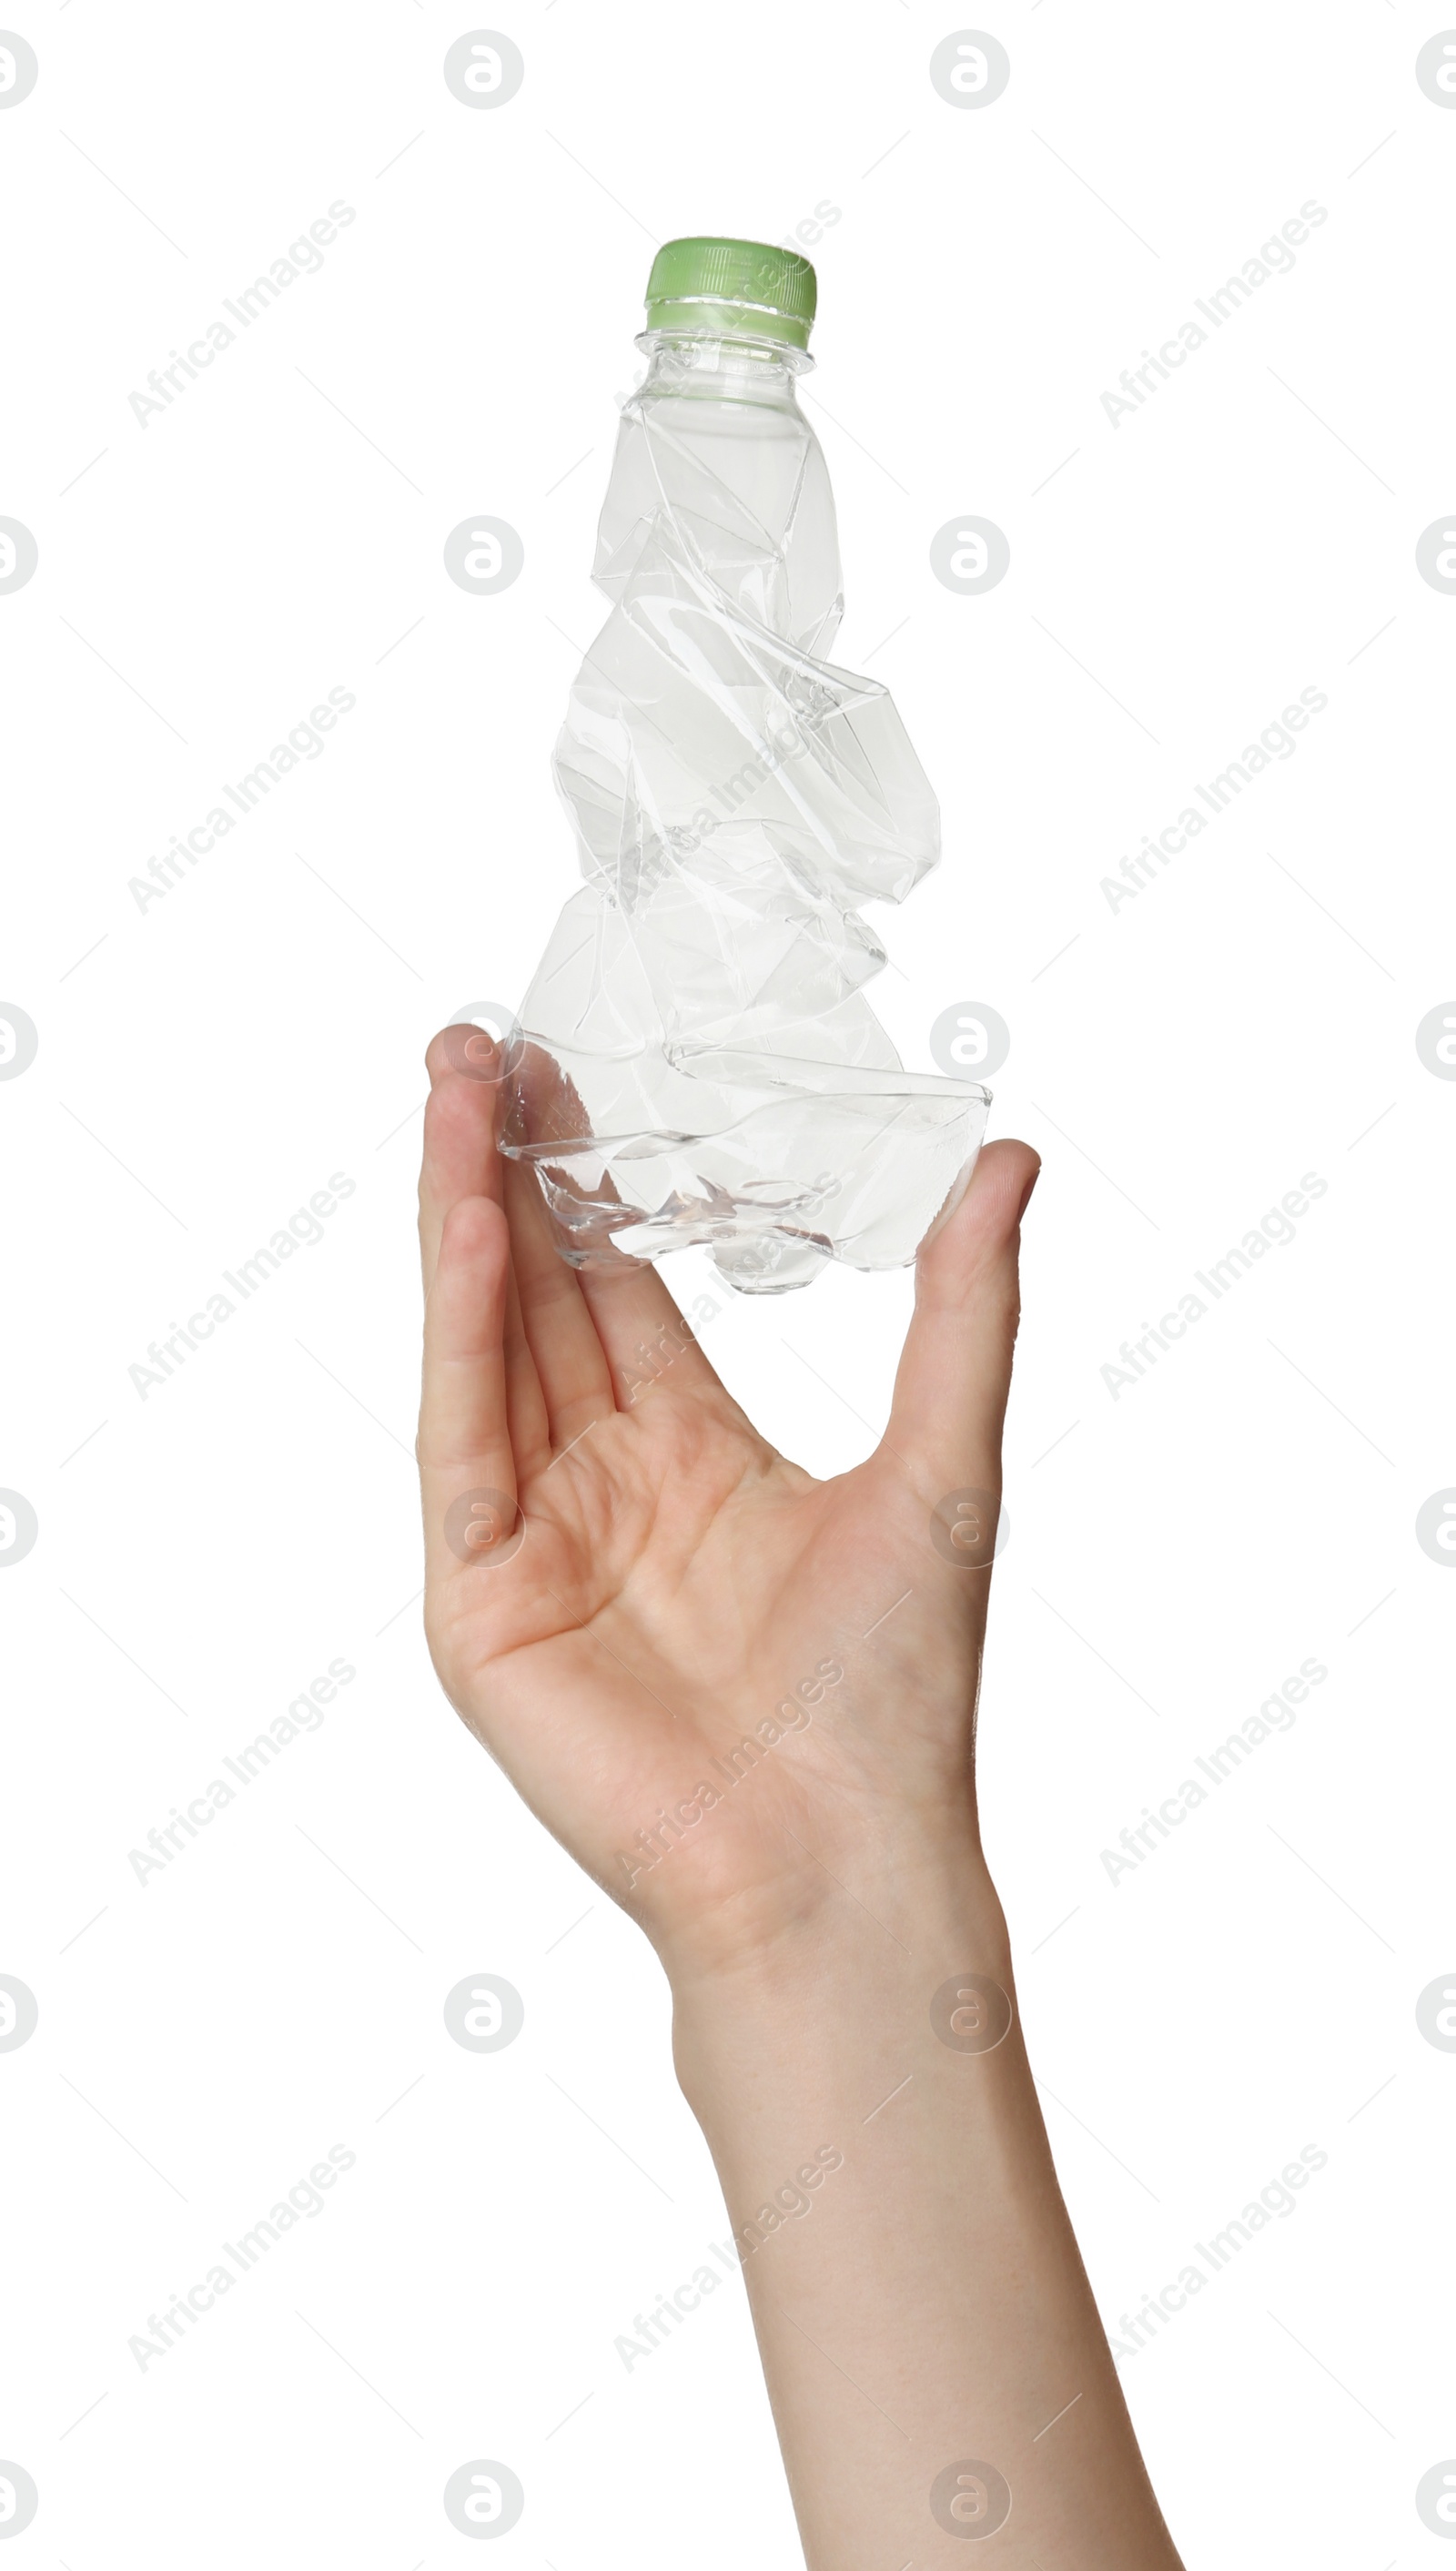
x: 700, y: 1062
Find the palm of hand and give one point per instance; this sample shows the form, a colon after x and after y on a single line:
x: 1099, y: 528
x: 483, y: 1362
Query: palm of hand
x: 705, y: 1670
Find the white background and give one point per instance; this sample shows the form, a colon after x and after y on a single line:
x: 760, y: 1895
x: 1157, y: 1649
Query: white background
x: 207, y: 1062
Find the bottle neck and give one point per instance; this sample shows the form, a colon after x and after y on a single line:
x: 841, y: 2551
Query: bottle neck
x: 689, y: 366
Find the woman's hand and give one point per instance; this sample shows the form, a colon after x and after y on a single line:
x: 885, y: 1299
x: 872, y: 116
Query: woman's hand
x: 745, y: 1700
x: 731, y: 1691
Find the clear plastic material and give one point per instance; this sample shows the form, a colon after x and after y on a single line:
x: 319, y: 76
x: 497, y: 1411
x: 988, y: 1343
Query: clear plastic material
x: 698, y: 1060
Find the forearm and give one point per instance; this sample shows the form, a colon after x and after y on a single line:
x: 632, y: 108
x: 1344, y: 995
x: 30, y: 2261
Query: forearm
x: 843, y: 2018
x: 920, y: 2304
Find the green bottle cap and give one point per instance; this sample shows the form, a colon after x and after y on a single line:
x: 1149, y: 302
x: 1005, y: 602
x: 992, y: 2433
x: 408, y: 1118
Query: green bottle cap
x: 732, y: 290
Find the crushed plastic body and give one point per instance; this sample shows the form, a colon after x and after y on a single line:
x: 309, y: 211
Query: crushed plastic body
x: 700, y: 1063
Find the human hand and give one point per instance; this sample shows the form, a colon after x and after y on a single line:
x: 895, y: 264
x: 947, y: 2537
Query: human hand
x: 672, y: 1580
x: 681, y: 1608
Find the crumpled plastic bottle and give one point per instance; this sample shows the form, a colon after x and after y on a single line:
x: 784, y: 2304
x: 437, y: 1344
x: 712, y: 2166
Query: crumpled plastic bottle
x: 697, y: 1060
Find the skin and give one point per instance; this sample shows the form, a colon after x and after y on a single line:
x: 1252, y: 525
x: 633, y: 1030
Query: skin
x: 921, y: 2308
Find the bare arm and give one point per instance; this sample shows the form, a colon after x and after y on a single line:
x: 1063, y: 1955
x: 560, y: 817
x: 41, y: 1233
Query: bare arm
x: 745, y: 1700
x: 936, y: 2365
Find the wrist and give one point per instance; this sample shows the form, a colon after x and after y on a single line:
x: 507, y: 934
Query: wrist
x: 841, y: 1988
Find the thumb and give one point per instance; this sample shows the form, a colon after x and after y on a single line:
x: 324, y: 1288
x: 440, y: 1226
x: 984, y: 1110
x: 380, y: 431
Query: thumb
x: 955, y: 1369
